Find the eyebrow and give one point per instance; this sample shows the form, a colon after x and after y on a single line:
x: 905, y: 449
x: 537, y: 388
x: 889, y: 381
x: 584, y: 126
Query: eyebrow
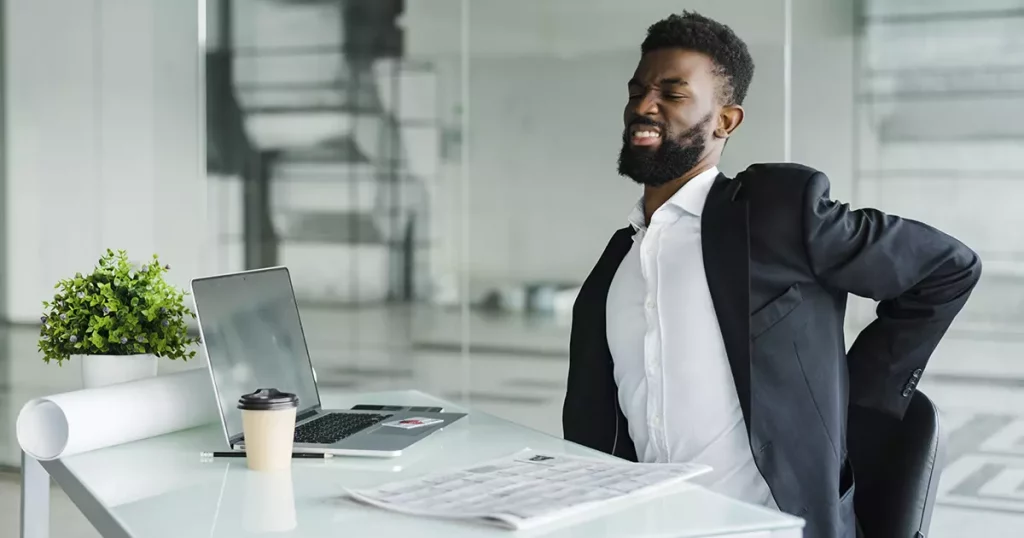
x: 662, y: 82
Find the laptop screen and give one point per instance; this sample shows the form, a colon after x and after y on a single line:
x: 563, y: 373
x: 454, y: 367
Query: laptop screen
x: 253, y: 338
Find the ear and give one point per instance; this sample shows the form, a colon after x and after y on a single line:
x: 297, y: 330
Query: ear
x: 729, y: 118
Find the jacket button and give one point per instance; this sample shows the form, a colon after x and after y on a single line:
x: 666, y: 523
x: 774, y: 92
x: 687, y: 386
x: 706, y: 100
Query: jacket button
x: 917, y: 373
x: 907, y: 391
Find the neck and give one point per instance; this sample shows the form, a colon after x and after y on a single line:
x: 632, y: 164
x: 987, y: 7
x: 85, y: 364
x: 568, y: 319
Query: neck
x: 656, y: 196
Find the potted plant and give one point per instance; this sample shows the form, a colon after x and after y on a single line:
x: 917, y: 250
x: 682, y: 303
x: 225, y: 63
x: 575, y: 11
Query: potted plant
x: 117, y: 321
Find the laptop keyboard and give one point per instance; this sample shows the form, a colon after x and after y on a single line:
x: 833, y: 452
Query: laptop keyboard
x: 334, y: 427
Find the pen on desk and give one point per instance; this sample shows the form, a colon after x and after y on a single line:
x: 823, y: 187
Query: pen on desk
x: 301, y: 455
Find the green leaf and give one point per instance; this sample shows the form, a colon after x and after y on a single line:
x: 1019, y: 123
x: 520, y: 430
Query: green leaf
x: 117, y: 302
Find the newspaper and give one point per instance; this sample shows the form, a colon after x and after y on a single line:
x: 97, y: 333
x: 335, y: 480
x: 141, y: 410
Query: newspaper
x: 526, y: 489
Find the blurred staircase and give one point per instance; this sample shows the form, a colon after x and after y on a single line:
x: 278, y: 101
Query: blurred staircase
x: 328, y: 139
x: 940, y: 138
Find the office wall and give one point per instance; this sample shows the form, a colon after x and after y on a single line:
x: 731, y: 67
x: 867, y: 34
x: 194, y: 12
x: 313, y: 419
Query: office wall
x: 104, y: 138
x: 822, y: 86
x: 546, y: 91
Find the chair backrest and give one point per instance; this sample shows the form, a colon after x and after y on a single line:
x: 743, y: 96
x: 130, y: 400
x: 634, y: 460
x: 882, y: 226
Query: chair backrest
x: 896, y: 468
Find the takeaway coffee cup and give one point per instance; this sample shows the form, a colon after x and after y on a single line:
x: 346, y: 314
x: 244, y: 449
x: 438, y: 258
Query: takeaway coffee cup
x: 268, y: 425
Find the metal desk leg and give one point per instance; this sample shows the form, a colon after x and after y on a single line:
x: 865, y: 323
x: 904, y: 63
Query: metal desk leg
x: 35, y: 499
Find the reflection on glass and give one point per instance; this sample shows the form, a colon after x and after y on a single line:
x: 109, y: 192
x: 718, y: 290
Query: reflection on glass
x: 269, y: 504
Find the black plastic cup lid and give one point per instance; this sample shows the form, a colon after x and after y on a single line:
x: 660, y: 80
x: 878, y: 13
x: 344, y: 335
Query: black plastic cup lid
x: 268, y: 400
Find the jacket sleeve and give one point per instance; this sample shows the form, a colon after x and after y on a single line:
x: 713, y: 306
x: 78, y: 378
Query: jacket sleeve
x: 920, y: 277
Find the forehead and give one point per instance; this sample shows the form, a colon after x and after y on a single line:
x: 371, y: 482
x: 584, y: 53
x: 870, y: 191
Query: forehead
x: 693, y: 67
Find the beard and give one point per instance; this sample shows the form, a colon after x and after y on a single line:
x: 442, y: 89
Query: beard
x: 674, y: 157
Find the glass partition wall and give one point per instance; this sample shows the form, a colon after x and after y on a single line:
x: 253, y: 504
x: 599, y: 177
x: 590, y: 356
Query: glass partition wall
x: 440, y: 177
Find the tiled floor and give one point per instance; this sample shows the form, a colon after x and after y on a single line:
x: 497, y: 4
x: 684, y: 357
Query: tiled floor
x: 515, y: 368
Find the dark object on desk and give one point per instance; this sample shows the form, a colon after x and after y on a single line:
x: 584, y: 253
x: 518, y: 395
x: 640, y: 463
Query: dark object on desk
x: 300, y: 455
x: 412, y: 409
x: 896, y: 467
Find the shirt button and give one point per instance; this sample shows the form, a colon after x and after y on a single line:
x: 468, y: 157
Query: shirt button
x: 650, y: 304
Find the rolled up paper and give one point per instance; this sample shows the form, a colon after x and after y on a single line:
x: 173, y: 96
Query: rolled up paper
x: 70, y: 423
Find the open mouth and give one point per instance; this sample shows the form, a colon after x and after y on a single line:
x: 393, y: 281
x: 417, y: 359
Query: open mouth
x: 644, y: 135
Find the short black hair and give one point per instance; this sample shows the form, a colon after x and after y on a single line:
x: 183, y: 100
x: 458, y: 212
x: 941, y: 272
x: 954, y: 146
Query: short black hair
x: 692, y: 31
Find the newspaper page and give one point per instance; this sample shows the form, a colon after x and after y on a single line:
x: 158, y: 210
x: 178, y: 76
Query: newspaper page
x: 526, y: 489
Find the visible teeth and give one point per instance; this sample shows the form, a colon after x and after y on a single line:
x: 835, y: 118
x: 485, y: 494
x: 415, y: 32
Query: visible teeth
x: 645, y: 134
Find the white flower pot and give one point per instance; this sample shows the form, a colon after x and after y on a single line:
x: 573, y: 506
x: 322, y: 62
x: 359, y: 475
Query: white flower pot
x: 102, y: 370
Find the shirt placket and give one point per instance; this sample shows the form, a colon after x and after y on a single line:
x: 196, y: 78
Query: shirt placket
x: 652, y: 342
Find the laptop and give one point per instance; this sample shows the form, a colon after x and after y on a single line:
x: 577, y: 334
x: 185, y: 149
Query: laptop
x: 252, y: 335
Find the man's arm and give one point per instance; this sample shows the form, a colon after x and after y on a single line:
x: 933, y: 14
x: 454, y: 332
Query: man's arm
x: 920, y: 276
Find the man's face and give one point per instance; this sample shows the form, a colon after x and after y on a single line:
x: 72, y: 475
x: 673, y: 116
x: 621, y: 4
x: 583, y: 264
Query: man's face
x: 670, y: 116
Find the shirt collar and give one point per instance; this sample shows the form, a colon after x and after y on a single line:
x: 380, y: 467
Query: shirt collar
x: 689, y: 198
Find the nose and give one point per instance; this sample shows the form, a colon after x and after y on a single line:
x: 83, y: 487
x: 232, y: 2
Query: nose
x: 646, y: 105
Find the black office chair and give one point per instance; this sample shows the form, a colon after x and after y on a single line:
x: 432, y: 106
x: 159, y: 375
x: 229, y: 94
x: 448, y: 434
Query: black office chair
x: 896, y: 467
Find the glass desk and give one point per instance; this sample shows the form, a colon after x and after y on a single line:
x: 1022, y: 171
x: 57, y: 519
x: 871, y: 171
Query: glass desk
x: 160, y: 488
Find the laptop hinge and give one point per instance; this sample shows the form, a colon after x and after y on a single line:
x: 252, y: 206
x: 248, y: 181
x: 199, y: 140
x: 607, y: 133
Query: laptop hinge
x: 306, y: 414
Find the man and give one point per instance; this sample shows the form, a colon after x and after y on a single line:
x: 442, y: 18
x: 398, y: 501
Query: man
x: 711, y: 328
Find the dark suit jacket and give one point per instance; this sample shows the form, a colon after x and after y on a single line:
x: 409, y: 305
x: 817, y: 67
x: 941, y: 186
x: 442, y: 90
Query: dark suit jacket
x: 780, y: 258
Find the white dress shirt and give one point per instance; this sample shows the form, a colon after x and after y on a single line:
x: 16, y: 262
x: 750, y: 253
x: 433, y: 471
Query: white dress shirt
x: 675, y: 386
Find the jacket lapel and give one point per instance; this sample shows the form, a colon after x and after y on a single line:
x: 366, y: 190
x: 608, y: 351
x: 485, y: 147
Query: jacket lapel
x: 725, y: 239
x: 591, y: 414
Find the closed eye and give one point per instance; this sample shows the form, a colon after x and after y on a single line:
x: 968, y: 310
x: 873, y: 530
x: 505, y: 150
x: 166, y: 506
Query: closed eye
x: 672, y: 96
